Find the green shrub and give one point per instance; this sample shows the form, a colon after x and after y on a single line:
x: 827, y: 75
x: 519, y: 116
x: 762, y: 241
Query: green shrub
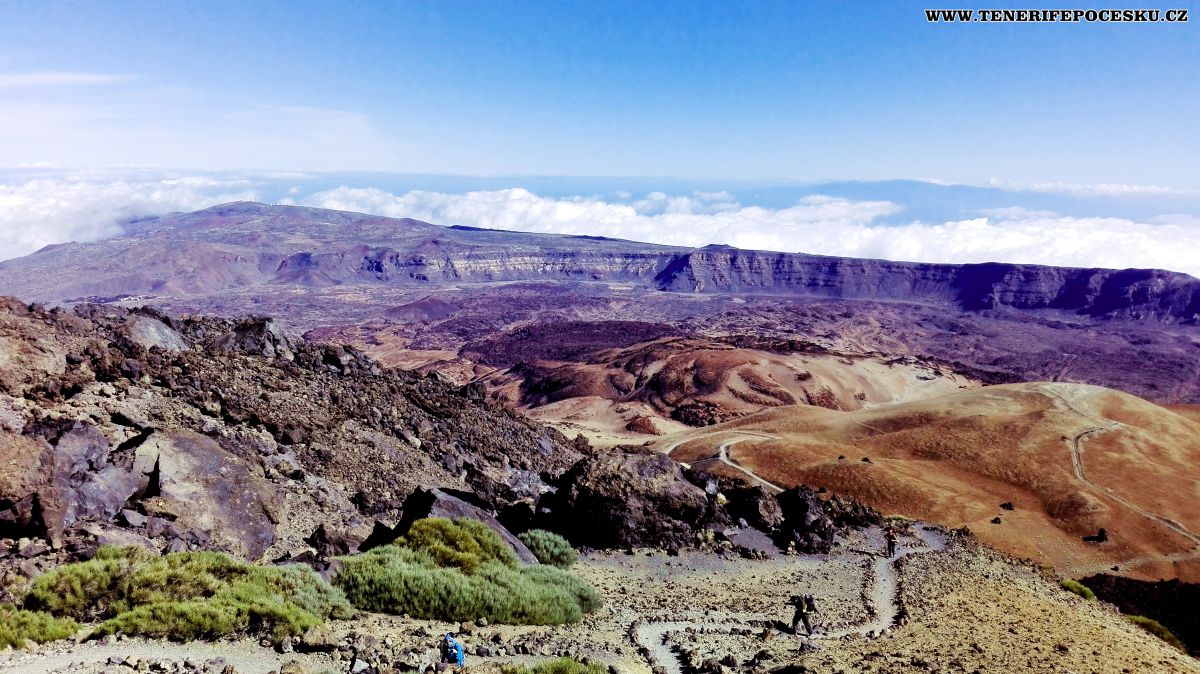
x: 1157, y: 629
x: 90, y: 590
x: 559, y: 666
x: 187, y: 595
x: 18, y: 626
x: 464, y: 543
x: 550, y: 548
x: 456, y: 571
x: 1079, y: 589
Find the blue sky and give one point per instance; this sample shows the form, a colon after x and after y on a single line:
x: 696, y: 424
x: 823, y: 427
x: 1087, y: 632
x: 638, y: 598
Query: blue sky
x: 811, y: 91
x: 853, y: 129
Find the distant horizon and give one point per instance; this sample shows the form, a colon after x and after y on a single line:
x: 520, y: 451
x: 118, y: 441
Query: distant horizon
x: 1096, y: 226
x: 665, y: 245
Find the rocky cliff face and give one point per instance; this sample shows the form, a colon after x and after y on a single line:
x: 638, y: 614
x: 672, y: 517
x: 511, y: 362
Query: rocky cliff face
x: 238, y: 246
x: 1135, y: 294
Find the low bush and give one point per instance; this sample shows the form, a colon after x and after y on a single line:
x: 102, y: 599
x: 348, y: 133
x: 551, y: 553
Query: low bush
x: 18, y: 626
x: 464, y: 543
x: 1157, y: 629
x: 1079, y: 589
x: 456, y: 571
x: 187, y: 595
x: 550, y: 548
x: 559, y: 666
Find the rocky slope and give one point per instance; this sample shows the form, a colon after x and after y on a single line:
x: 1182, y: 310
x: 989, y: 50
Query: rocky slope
x: 133, y: 427
x: 129, y: 426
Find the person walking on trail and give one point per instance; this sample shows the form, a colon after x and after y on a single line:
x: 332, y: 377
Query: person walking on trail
x: 806, y: 606
x: 890, y: 535
x: 453, y: 652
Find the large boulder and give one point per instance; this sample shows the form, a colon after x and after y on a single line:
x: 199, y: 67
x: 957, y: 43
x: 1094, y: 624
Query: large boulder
x: 92, y: 487
x: 206, y: 493
x: 45, y: 489
x: 29, y: 503
x: 436, y: 502
x: 258, y: 336
x: 151, y: 332
x: 757, y: 506
x: 628, y: 498
x: 806, y: 521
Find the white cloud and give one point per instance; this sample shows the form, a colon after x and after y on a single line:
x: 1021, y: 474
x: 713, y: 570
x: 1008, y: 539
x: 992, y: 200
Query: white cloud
x: 816, y: 224
x: 59, y: 79
x: 1100, y: 190
x: 90, y: 205
x: 35, y: 213
x: 658, y: 218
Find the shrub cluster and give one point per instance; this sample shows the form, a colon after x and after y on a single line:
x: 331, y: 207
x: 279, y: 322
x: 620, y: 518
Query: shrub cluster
x: 464, y: 544
x: 187, y: 595
x: 1157, y: 629
x: 458, y: 571
x: 559, y: 666
x: 18, y: 626
x: 550, y: 548
x: 1079, y: 589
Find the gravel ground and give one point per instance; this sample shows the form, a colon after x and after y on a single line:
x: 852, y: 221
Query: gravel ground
x: 968, y: 610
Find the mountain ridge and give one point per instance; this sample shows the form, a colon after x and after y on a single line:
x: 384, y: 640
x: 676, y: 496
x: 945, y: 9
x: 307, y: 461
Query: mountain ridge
x: 243, y: 244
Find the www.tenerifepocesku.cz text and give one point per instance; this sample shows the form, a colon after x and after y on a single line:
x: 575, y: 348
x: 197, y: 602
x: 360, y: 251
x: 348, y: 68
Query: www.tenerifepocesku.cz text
x: 1056, y: 15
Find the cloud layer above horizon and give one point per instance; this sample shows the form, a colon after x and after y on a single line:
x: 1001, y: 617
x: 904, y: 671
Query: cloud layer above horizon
x: 43, y: 210
x: 816, y: 224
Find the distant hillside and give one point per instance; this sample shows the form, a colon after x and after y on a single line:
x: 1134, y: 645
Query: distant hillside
x: 1030, y: 468
x: 241, y: 245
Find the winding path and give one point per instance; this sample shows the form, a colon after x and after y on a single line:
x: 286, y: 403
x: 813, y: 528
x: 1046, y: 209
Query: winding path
x: 723, y: 455
x: 881, y: 613
x: 1075, y: 445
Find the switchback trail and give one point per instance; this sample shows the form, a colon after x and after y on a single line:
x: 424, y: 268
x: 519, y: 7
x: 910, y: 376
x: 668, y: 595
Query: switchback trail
x: 1075, y: 445
x: 723, y: 456
x: 880, y: 613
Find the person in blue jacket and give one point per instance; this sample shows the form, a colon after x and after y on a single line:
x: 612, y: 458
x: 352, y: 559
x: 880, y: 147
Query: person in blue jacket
x: 452, y: 651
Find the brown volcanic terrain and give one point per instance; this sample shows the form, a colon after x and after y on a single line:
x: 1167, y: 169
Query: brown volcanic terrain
x: 561, y: 373
x: 1070, y: 459
x: 622, y: 341
x: 396, y: 287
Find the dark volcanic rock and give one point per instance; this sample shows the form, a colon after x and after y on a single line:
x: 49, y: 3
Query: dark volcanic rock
x: 261, y: 336
x: 851, y: 513
x: 243, y: 440
x: 626, y: 498
x: 1170, y: 602
x: 757, y: 506
x: 207, y: 490
x: 806, y: 522
x: 91, y: 486
x: 29, y: 504
x: 441, y: 503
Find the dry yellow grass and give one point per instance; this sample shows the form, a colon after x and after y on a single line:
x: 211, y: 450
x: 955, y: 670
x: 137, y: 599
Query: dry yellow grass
x: 954, y: 459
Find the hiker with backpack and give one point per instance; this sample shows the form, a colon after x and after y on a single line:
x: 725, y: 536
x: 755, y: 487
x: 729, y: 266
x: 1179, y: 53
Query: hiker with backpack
x: 806, y: 606
x: 890, y: 534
